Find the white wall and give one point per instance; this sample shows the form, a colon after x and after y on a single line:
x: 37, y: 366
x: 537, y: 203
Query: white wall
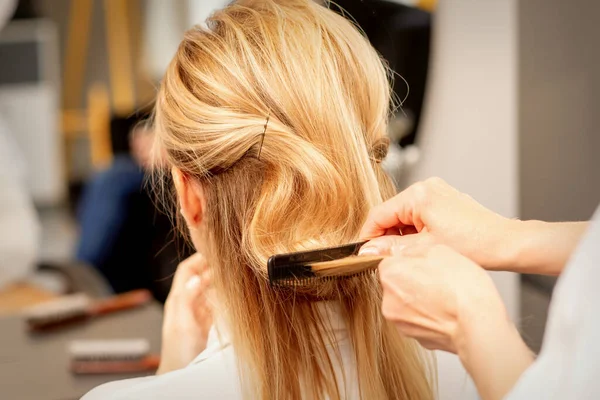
x: 559, y: 96
x: 164, y: 30
x: 469, y: 132
x: 30, y: 111
x: 165, y: 24
x: 199, y: 10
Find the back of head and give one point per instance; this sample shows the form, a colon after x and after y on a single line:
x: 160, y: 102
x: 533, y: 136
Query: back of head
x: 279, y: 111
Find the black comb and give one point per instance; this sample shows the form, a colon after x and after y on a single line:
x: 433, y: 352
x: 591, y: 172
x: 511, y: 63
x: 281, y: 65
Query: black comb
x: 292, y: 269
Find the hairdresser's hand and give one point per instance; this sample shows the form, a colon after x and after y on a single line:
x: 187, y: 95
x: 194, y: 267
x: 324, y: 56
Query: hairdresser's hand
x: 447, y: 302
x: 434, y: 294
x: 440, y: 214
x: 188, y: 317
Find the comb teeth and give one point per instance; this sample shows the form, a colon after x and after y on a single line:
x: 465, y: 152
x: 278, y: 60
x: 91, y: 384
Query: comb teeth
x: 56, y: 320
x: 291, y: 272
x: 295, y: 268
x: 55, y: 313
x: 109, y: 350
x: 66, y: 304
x: 109, y: 357
x: 116, y: 366
x: 309, y: 281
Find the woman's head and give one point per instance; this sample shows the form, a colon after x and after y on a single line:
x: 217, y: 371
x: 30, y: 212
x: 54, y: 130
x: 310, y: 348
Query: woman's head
x: 325, y: 94
x: 273, y: 120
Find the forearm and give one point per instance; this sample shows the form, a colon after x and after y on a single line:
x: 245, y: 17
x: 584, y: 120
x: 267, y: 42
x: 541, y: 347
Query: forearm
x: 495, y: 357
x: 536, y: 247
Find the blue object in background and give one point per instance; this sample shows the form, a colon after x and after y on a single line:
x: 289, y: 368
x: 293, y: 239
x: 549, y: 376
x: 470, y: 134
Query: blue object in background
x: 104, y: 208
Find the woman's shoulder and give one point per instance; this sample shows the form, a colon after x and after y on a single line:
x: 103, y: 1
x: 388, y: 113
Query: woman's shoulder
x: 214, y: 377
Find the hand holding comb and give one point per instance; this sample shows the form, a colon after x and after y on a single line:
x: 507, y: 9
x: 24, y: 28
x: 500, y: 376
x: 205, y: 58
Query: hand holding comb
x: 304, y: 267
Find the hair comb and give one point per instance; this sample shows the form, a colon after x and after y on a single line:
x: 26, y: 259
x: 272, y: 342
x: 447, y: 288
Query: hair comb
x: 76, y: 308
x: 112, y: 356
x: 304, y: 267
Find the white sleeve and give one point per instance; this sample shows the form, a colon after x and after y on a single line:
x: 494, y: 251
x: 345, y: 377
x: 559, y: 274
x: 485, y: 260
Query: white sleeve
x: 215, y: 377
x: 569, y: 364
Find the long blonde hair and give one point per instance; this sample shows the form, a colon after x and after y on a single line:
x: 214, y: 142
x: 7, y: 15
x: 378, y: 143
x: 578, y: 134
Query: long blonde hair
x: 279, y: 110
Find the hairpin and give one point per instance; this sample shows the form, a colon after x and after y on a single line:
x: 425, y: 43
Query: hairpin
x: 262, y: 140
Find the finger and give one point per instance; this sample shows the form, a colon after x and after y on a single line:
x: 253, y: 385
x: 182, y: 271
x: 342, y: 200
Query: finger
x: 396, y: 277
x: 384, y: 216
x: 202, y: 307
x: 191, y: 300
x: 429, y: 339
x: 398, y: 271
x: 407, y: 327
x: 420, y: 249
x: 200, y: 304
x: 193, y: 265
x: 411, y: 330
x: 197, y: 286
x: 387, y: 245
x: 389, y: 267
x: 193, y: 284
x: 196, y: 263
x: 400, y: 211
x: 429, y: 344
x: 393, y: 231
x: 408, y: 230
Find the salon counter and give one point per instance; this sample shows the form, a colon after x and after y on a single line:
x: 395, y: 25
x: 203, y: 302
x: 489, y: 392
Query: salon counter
x: 36, y: 367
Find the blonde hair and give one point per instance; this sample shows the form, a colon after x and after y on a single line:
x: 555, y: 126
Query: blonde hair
x: 305, y: 179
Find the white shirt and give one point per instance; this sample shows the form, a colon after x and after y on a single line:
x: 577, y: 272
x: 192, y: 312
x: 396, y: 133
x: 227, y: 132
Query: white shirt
x: 213, y: 374
x: 568, y: 366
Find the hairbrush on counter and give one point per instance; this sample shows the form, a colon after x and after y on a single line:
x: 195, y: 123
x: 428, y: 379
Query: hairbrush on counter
x: 79, y: 307
x: 111, y: 356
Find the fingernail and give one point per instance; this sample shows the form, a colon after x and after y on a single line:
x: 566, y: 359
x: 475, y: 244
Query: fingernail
x: 368, y: 251
x: 397, y: 249
x: 193, y: 282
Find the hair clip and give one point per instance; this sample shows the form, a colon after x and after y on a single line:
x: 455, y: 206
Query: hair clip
x: 262, y: 140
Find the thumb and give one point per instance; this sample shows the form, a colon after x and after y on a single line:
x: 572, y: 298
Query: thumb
x: 389, y: 245
x: 192, y: 290
x: 193, y: 283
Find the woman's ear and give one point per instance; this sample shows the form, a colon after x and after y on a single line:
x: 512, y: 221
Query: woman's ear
x: 191, y: 197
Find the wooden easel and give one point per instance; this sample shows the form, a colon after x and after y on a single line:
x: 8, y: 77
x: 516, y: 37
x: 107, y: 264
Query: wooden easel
x: 123, y: 32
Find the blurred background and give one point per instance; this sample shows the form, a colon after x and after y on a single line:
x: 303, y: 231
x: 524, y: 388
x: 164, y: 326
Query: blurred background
x: 500, y: 98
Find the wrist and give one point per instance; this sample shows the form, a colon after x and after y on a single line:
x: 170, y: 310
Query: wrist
x: 525, y: 245
x: 493, y: 353
x: 512, y: 245
x: 479, y: 322
x: 538, y: 247
x: 481, y: 335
